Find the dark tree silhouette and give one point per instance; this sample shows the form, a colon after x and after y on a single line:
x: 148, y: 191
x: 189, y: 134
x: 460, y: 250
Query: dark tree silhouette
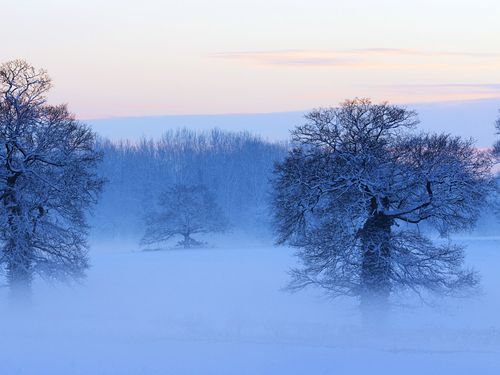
x: 47, y: 180
x: 184, y: 211
x: 496, y: 155
x: 351, y: 192
x: 496, y: 146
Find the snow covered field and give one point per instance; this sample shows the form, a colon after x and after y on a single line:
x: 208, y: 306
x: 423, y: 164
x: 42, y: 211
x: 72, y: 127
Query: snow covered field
x: 221, y: 311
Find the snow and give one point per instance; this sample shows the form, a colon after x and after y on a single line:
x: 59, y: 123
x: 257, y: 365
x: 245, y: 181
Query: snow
x: 222, y: 310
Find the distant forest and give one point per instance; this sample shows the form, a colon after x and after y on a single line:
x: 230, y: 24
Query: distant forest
x: 234, y: 166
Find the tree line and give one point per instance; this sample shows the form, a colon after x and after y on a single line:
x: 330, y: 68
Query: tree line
x: 233, y: 167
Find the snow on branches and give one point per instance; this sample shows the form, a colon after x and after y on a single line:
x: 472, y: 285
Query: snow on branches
x: 47, y: 180
x: 184, y: 210
x: 350, y: 194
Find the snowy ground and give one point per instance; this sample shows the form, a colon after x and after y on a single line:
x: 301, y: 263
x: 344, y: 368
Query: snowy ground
x: 221, y: 311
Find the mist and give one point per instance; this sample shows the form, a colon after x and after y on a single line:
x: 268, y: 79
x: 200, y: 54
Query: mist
x: 221, y: 310
x: 224, y: 307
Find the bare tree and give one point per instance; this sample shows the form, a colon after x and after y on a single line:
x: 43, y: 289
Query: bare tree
x: 352, y: 191
x: 496, y: 154
x: 185, y: 211
x: 47, y: 180
x: 496, y: 147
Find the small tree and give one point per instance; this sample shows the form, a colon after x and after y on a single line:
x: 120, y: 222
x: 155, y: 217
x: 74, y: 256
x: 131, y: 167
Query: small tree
x: 47, y: 180
x: 185, y: 211
x: 351, y: 192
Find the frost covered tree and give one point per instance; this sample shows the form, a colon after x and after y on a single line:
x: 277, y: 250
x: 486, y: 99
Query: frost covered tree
x: 496, y: 155
x: 184, y: 211
x: 47, y: 181
x: 351, y: 193
x: 496, y: 147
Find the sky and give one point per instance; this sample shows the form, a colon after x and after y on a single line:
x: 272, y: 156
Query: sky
x: 122, y: 58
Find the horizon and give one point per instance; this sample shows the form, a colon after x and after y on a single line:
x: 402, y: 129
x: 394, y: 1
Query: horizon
x: 407, y: 105
x: 469, y: 119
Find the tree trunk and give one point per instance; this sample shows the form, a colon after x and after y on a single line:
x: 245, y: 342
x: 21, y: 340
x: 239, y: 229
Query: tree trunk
x: 17, y: 248
x: 19, y: 278
x: 376, y: 268
x: 187, y: 241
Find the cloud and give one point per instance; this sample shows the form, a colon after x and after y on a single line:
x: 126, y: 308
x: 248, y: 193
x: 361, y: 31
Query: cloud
x: 431, y: 92
x: 367, y: 57
x: 290, y: 57
x: 429, y: 53
x: 472, y: 86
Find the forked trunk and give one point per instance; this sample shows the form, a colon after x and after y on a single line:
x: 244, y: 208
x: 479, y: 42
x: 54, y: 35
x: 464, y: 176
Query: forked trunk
x: 189, y: 242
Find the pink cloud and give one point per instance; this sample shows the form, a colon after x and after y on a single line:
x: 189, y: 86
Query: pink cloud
x: 350, y: 58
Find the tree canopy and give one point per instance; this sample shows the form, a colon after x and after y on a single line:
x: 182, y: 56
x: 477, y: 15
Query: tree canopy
x: 184, y: 210
x: 47, y: 179
x: 351, y: 195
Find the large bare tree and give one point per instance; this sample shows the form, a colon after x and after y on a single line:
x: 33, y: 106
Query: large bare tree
x: 47, y: 180
x: 353, y: 190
